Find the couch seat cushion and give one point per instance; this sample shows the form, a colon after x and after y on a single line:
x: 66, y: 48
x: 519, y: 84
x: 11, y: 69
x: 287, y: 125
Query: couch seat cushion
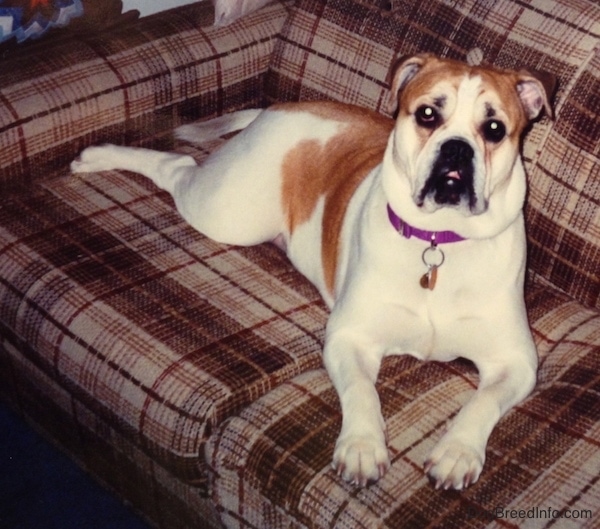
x: 270, y: 465
x: 160, y: 331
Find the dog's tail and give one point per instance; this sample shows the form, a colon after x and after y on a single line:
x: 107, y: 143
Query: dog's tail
x: 215, y: 128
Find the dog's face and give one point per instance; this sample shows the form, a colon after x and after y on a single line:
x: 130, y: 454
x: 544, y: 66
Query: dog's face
x: 458, y: 131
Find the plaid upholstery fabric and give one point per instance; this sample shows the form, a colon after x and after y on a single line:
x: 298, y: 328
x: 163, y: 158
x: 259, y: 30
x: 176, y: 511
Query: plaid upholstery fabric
x: 343, y: 50
x: 101, y: 447
x: 141, y: 346
x: 131, y: 85
x: 271, y: 465
x: 564, y: 197
x: 105, y: 293
x: 160, y: 329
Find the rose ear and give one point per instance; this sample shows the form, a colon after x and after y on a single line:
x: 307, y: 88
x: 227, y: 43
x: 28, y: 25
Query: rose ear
x: 402, y: 72
x: 535, y: 90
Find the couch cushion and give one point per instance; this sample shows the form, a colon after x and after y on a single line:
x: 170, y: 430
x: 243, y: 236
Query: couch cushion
x: 271, y: 465
x: 343, y: 50
x: 160, y: 331
x: 130, y: 85
x: 564, y: 197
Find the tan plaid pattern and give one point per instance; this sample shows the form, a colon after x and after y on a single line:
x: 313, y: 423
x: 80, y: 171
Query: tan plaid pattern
x: 118, y: 460
x: 144, y: 316
x: 564, y: 199
x: 132, y: 86
x: 160, y: 359
x: 271, y: 465
x: 118, y: 322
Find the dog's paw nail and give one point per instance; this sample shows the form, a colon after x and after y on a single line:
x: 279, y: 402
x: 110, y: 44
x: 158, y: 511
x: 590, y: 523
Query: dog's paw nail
x: 427, y: 466
x: 470, y: 479
x: 339, y: 468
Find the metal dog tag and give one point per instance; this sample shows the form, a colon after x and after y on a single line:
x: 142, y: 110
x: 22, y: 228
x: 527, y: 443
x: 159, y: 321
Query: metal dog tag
x: 430, y: 278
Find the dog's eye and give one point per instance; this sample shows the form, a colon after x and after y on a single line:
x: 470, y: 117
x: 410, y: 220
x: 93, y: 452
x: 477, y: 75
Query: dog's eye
x: 494, y: 130
x: 427, y: 117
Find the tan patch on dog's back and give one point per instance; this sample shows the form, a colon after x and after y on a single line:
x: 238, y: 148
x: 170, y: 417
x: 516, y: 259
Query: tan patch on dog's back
x: 332, y: 170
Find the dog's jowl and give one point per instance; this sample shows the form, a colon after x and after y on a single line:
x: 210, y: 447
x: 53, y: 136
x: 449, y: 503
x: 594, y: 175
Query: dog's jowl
x: 412, y: 230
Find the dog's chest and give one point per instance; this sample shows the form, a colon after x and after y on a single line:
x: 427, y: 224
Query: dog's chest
x: 478, y: 285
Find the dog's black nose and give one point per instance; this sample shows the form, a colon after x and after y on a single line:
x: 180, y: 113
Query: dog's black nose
x: 456, y: 156
x: 456, y: 151
x: 451, y: 178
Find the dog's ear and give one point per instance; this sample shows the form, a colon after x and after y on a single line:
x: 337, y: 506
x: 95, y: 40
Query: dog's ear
x: 536, y: 90
x: 402, y: 72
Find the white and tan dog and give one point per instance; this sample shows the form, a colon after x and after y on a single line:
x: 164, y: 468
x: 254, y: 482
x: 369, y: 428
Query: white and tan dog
x: 412, y: 231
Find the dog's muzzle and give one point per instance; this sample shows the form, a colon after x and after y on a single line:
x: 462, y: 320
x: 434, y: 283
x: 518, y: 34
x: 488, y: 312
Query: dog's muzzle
x: 450, y: 182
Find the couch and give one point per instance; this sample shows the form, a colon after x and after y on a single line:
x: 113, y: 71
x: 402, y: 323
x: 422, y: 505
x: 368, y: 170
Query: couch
x: 185, y: 375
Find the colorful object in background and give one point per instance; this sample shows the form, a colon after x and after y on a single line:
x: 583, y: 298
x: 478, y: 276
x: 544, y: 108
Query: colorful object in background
x: 25, y: 19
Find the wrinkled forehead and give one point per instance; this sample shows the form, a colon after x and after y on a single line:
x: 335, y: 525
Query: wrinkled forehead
x: 488, y: 92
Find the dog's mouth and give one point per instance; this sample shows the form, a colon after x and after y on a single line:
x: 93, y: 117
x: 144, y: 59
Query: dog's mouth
x: 450, y: 182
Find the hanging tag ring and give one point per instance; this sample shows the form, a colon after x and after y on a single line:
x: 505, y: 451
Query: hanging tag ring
x: 433, y: 256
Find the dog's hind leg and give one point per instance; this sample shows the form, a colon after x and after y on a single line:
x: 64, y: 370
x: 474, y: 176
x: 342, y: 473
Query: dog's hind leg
x: 163, y: 169
x: 207, y: 196
x: 234, y: 196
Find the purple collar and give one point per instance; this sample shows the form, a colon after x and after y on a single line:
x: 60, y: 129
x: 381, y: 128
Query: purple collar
x: 408, y: 231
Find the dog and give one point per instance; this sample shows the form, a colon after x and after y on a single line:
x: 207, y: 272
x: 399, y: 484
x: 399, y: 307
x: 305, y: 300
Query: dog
x: 412, y: 230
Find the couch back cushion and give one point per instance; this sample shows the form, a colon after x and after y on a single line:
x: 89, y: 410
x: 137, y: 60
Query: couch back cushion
x: 343, y: 50
x: 130, y: 85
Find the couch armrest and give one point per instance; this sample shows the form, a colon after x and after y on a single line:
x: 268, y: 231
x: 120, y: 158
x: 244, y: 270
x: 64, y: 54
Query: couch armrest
x: 127, y: 85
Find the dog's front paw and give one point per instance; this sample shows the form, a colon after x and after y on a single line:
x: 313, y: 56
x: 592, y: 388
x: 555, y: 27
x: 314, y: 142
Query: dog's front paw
x: 93, y: 159
x: 454, y: 464
x: 361, y: 459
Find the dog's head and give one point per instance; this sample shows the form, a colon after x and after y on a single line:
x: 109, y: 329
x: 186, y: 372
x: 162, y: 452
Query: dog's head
x: 456, y: 140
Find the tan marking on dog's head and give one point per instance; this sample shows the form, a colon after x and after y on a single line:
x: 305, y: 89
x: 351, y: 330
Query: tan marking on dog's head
x: 332, y: 170
x: 414, y: 76
x: 446, y: 107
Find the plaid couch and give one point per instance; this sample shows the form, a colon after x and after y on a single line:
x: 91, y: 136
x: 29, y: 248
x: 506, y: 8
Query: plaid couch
x: 186, y: 375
